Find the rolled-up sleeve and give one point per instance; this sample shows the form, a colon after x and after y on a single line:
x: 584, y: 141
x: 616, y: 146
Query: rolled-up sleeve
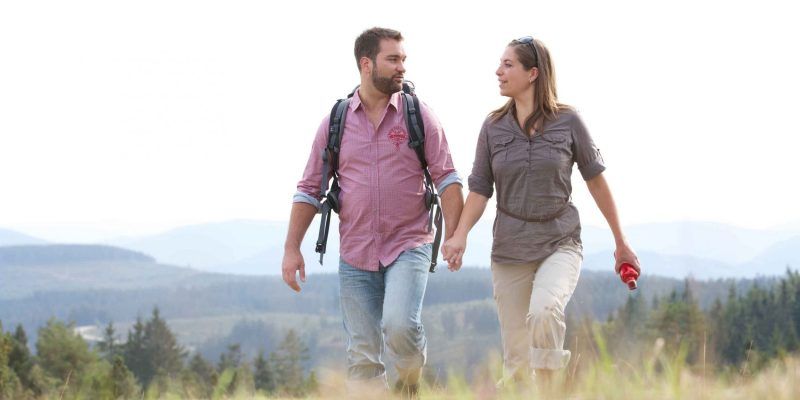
x: 585, y: 153
x: 309, y: 188
x: 437, y: 153
x: 481, y: 180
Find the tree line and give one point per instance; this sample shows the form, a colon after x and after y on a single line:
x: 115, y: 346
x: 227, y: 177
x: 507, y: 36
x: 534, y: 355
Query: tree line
x: 598, y: 294
x: 739, y: 334
x: 150, y: 363
x: 740, y: 331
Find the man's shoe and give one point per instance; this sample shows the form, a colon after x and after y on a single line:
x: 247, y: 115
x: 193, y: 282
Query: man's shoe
x: 406, y: 391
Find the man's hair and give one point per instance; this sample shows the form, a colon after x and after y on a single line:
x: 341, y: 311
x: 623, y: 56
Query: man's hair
x: 368, y: 43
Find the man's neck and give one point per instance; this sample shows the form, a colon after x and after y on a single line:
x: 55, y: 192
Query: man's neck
x: 372, y: 98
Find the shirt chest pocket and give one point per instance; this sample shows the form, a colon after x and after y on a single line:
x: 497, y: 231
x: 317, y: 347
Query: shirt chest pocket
x: 500, y: 146
x: 559, y: 146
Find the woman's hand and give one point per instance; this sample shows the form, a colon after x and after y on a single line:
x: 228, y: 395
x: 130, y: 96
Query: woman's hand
x: 625, y: 254
x: 453, y: 251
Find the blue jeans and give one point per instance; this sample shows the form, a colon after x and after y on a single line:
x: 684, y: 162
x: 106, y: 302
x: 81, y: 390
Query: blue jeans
x: 384, y: 306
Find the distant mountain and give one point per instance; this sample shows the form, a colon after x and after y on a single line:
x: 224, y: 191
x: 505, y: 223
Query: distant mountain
x: 704, y: 248
x: 701, y: 249
x: 710, y: 240
x: 13, y: 238
x: 598, y: 244
x: 26, y: 270
x: 670, y: 265
x: 775, y: 259
x: 67, y: 254
x: 209, y: 246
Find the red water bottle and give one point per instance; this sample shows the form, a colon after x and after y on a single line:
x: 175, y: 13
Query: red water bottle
x: 628, y: 275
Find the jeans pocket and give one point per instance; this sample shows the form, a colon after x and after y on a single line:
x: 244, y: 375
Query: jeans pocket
x: 424, y: 251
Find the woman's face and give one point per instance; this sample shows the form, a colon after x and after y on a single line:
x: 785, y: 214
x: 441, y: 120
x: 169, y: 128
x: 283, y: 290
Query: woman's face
x: 514, y: 79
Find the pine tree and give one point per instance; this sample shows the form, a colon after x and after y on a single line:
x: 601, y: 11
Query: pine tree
x: 62, y: 353
x: 243, y: 385
x: 134, y: 353
x: 264, y: 376
x: 288, y: 362
x: 123, y: 383
x: 680, y: 322
x: 730, y: 333
x: 108, y: 346
x: 9, y: 382
x: 204, y: 372
x: 163, y: 355
x: 627, y: 329
x: 20, y: 360
x: 230, y: 359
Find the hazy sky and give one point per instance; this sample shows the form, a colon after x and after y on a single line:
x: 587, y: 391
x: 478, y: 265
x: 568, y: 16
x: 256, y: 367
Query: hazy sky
x: 134, y: 117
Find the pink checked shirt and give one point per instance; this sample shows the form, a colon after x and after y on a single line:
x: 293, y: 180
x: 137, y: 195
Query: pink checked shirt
x: 382, y: 206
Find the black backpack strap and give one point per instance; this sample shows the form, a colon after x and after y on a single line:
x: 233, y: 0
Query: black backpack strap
x: 416, y: 132
x: 330, y: 165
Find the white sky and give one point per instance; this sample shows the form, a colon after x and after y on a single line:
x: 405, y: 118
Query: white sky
x: 135, y: 117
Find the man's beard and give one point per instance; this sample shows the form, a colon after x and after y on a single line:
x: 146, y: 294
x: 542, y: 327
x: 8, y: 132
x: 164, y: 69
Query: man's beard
x: 386, y: 85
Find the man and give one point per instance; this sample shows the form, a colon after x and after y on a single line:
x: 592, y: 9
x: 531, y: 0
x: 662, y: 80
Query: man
x: 385, y: 243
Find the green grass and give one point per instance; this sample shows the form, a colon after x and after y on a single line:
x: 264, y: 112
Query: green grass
x: 665, y: 377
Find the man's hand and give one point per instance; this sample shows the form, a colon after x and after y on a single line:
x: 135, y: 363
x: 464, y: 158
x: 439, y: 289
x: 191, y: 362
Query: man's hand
x: 293, y: 262
x: 453, y: 251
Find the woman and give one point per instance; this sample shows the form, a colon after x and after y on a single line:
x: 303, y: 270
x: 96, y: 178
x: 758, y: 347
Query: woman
x: 526, y: 149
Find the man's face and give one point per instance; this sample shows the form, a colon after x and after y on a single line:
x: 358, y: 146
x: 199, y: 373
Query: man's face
x: 388, y: 71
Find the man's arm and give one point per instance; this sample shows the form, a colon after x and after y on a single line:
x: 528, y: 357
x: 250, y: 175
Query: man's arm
x: 302, y: 215
x: 452, y: 204
x: 454, y: 248
x: 306, y: 203
x: 442, y: 170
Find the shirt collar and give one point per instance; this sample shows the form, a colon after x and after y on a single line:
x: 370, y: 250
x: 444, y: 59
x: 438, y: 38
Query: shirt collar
x: 355, y: 101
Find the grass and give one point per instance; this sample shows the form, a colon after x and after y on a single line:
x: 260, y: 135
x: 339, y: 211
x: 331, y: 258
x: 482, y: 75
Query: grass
x: 664, y: 378
x: 660, y: 376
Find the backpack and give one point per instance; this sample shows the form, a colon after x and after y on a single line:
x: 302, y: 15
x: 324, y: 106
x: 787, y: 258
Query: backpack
x: 330, y: 164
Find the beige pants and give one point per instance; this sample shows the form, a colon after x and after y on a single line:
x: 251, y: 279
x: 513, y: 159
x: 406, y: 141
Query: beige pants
x: 531, y: 299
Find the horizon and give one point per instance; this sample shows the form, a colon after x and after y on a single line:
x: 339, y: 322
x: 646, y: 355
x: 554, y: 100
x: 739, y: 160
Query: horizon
x: 82, y: 234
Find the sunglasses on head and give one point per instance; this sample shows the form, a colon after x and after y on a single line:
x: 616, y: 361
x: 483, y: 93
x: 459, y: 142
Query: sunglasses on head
x: 529, y: 41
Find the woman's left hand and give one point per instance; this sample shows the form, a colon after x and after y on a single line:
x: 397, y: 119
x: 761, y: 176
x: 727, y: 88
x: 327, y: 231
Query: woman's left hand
x: 625, y: 254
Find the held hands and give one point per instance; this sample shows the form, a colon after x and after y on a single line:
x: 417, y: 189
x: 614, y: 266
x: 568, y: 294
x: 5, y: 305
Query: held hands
x: 293, y: 262
x: 625, y: 254
x: 453, y: 251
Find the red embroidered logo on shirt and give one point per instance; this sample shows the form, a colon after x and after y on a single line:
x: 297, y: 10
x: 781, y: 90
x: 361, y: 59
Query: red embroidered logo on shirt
x: 398, y: 135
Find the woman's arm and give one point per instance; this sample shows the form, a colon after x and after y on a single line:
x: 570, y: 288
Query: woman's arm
x: 599, y: 189
x: 453, y: 248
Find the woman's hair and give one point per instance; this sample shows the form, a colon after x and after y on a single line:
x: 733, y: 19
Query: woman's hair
x: 546, y: 105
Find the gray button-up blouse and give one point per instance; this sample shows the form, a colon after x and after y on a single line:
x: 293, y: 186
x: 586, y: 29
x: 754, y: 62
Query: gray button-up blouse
x: 532, y: 175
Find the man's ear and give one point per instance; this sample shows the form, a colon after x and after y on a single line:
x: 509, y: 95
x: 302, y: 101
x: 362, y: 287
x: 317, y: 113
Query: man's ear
x: 366, y: 64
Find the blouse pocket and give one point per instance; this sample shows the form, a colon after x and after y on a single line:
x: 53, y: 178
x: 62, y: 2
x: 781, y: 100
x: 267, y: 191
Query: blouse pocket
x: 559, y: 144
x: 500, y: 145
